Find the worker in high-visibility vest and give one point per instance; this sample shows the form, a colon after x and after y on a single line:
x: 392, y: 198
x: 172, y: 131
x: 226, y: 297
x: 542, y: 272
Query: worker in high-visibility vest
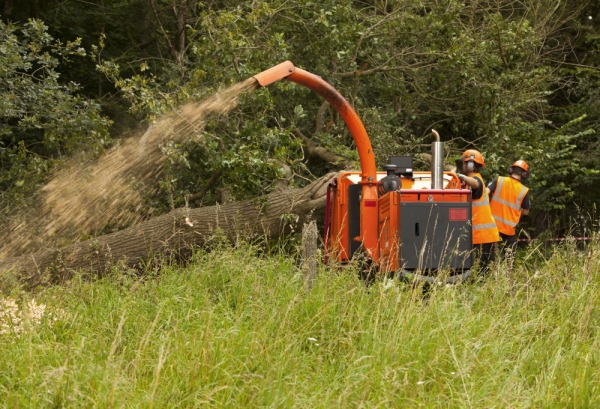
x: 485, y: 232
x: 509, y: 201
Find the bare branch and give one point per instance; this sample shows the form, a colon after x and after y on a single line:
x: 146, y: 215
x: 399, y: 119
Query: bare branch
x: 197, y: 197
x: 317, y: 151
x: 384, y: 68
x: 162, y: 29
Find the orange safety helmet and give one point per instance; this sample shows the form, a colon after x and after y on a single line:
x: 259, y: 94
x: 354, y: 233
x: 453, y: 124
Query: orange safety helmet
x: 472, y: 155
x: 520, y: 164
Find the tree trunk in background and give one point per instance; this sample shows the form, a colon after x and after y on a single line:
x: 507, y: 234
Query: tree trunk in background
x: 171, y: 235
x: 8, y: 8
x: 180, y: 11
x: 35, y: 9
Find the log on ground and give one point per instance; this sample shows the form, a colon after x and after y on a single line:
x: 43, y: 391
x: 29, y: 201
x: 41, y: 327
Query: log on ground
x: 173, y: 235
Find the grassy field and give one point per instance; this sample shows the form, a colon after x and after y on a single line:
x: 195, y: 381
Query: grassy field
x: 238, y: 329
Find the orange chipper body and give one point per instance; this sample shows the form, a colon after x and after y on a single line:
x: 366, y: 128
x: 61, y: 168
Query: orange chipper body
x: 402, y: 221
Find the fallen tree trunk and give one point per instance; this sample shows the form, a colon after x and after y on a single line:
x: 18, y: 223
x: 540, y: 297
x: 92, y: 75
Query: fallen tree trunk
x: 172, y: 234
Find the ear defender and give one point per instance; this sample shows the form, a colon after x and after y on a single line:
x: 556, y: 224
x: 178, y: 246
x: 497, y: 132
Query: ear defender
x: 470, y: 166
x: 524, y: 174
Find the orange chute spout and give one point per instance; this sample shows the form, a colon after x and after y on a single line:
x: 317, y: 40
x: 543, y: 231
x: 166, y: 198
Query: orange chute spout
x: 368, y: 206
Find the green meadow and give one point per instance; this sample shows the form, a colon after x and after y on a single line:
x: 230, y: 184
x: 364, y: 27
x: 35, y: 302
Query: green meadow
x: 238, y: 328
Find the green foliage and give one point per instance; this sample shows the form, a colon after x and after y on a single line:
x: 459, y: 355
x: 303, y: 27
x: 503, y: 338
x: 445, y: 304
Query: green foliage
x: 238, y: 330
x: 580, y: 95
x: 557, y: 173
x: 41, y: 119
x: 479, y: 76
x: 503, y: 77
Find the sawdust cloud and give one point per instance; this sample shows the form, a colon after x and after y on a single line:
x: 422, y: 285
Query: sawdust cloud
x: 82, y: 199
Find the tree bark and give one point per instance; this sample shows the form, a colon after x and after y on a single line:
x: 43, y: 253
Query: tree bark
x: 172, y: 235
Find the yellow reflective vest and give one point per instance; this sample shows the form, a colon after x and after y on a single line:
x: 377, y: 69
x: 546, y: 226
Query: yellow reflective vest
x: 506, y: 204
x: 484, y: 226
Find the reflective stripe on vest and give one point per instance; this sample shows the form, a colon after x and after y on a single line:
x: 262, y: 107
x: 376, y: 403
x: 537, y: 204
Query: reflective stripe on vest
x: 506, y: 204
x: 484, y: 226
x: 484, y: 202
x: 501, y: 220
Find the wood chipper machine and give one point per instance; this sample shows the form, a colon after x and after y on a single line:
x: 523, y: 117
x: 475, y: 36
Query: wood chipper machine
x: 415, y: 225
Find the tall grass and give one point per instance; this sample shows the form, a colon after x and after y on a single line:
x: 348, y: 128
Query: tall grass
x: 238, y: 329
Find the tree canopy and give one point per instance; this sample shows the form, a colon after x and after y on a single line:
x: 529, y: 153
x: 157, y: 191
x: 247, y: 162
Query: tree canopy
x: 41, y: 117
x: 513, y: 79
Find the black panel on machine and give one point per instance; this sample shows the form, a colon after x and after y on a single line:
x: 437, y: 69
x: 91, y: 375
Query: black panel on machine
x: 354, y: 192
x: 436, y: 235
x: 404, y: 165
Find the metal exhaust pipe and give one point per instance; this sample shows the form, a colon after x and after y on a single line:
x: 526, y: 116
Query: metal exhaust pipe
x: 437, y: 162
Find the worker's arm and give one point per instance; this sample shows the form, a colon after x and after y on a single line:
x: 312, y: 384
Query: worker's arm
x: 471, y: 182
x: 525, y: 205
x: 491, y: 188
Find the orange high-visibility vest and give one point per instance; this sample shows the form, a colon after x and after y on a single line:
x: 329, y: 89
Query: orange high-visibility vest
x: 484, y: 226
x: 506, y: 204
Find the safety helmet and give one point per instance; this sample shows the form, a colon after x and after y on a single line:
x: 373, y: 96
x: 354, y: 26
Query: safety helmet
x: 473, y: 155
x: 520, y: 164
